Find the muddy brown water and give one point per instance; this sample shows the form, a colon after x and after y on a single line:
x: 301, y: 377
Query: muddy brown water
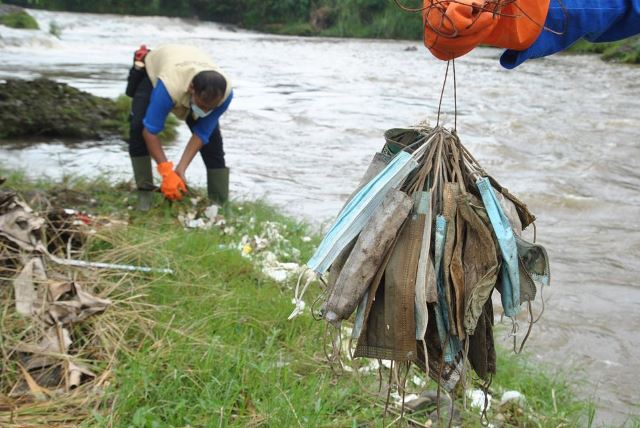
x: 562, y: 133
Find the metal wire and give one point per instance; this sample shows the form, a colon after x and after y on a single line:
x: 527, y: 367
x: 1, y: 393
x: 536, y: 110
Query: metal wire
x: 444, y: 84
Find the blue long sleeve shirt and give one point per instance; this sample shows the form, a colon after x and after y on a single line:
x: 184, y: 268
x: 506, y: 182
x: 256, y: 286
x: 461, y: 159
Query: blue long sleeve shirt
x: 570, y: 20
x: 161, y: 104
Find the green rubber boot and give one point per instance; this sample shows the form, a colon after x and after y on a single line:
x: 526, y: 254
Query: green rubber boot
x: 218, y: 186
x: 144, y: 181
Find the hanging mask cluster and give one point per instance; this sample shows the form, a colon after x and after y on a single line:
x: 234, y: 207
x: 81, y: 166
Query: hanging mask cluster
x: 417, y: 252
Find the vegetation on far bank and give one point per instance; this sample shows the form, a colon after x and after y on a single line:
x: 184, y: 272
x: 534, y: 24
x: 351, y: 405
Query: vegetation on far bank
x: 342, y: 18
x: 625, y: 51
x: 218, y: 350
x: 338, y: 18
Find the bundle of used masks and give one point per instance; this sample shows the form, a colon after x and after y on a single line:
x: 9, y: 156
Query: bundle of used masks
x: 417, y: 252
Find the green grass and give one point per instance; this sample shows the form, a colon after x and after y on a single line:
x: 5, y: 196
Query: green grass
x: 625, y: 51
x: 385, y: 21
x: 292, y: 29
x: 222, y: 353
x: 19, y: 19
x: 547, y: 390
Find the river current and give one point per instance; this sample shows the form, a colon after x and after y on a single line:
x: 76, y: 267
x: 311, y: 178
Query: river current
x: 562, y: 133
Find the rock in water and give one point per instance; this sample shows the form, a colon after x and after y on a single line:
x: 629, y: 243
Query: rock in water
x: 45, y: 108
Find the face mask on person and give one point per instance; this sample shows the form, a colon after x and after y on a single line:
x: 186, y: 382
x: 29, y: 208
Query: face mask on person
x: 198, y: 112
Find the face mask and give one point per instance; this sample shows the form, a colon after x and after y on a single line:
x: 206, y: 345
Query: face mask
x: 359, y: 210
x: 198, y: 112
x: 442, y: 314
x: 510, y: 295
x: 421, y: 311
x: 361, y: 207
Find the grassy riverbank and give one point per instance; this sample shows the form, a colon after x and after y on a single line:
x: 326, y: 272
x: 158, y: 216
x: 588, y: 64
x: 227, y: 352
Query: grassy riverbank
x: 216, y: 348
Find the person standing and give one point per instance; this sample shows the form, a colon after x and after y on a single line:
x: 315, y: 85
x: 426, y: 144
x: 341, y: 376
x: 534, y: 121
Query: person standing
x: 182, y: 80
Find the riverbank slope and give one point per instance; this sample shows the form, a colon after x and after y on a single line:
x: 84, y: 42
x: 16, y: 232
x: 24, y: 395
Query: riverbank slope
x: 215, y: 346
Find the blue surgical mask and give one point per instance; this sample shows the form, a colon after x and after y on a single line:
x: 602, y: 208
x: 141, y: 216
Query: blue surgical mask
x: 359, y: 210
x: 198, y: 112
x: 355, y: 215
x: 510, y: 294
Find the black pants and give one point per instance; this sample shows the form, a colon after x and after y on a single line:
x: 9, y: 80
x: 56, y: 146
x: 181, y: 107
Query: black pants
x: 212, y: 153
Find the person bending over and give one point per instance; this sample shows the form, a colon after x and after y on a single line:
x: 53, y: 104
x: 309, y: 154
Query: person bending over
x: 183, y: 80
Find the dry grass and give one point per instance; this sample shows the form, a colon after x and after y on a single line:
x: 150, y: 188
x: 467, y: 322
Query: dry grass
x: 96, y: 341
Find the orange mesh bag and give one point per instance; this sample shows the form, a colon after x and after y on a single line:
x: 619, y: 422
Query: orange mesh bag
x: 454, y: 28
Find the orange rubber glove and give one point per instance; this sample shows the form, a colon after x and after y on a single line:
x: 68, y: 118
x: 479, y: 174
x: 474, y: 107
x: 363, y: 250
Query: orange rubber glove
x: 172, y: 184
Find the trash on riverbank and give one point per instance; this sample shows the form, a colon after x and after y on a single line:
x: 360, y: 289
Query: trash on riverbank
x: 62, y: 325
x: 512, y: 396
x: 267, y: 246
x: 479, y: 399
x: 205, y: 220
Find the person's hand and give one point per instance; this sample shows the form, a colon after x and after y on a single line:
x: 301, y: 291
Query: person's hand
x: 182, y: 174
x: 172, y: 184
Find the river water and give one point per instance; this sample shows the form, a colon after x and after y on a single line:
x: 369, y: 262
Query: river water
x: 562, y: 133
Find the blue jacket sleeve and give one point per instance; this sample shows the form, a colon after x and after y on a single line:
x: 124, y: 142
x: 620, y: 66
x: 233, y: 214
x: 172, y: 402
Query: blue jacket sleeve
x: 160, y: 105
x: 570, y: 20
x: 204, y: 127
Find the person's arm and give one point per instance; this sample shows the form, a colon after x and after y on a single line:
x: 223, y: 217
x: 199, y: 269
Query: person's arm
x: 193, y: 146
x: 160, y: 105
x: 202, y: 131
x: 153, y: 145
x: 570, y: 20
